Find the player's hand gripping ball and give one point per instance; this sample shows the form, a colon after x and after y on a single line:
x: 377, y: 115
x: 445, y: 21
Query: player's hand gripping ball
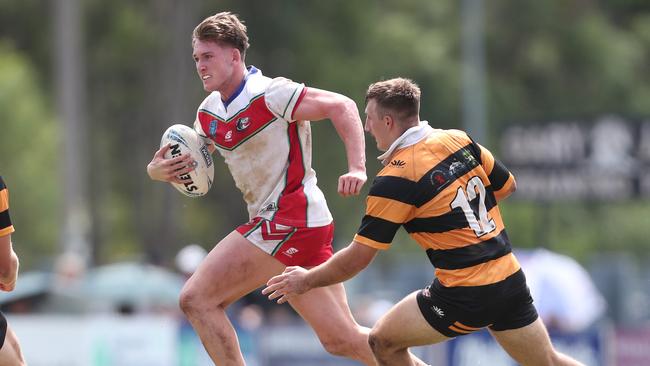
x: 184, y: 140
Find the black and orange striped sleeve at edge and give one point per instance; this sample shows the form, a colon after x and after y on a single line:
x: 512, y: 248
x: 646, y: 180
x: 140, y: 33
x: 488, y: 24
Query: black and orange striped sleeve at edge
x: 6, y: 227
x: 500, y: 177
x: 418, y: 194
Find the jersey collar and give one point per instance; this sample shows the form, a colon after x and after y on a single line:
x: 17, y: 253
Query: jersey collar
x: 410, y: 137
x: 251, y: 70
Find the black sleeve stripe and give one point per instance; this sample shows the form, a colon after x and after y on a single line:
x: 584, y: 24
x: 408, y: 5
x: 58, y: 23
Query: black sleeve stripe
x: 378, y: 229
x: 2, y: 184
x: 471, y: 255
x: 499, y: 175
x: 5, y: 220
x: 395, y: 188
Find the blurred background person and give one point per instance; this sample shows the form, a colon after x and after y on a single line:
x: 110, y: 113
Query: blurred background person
x: 565, y: 295
x: 189, y: 258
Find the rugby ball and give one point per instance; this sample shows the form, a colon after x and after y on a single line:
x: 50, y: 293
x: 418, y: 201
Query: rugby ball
x: 184, y: 140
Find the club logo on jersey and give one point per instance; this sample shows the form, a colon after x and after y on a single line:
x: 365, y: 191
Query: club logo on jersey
x: 228, y: 136
x: 213, y: 128
x: 470, y: 160
x: 243, y: 123
x: 397, y: 163
x: 463, y: 162
x: 457, y: 168
x: 439, y: 179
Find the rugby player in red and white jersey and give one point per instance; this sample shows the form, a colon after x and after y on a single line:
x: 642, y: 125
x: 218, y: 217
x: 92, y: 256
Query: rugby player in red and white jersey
x: 261, y: 128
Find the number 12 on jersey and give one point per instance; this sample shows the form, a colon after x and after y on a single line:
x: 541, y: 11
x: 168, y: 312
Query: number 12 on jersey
x: 479, y: 221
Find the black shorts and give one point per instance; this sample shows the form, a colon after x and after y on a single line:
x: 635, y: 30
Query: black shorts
x: 456, y: 311
x: 3, y: 329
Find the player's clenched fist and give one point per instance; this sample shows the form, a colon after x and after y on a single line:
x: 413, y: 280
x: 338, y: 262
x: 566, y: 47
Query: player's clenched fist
x: 350, y: 184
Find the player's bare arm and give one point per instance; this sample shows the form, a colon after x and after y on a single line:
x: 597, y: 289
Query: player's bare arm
x: 8, y: 264
x: 344, y: 265
x: 169, y: 170
x: 320, y: 104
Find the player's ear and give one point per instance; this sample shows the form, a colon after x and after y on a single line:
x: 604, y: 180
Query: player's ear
x: 388, y: 120
x: 236, y: 55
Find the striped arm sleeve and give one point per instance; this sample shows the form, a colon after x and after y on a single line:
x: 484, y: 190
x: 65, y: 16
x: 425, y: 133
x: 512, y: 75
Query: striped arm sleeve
x: 6, y: 226
x: 387, y: 208
x: 501, y: 179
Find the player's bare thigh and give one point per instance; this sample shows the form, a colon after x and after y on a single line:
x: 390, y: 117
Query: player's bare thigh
x: 391, y: 327
x: 325, y: 308
x: 232, y: 269
x: 10, y: 353
x: 529, y: 345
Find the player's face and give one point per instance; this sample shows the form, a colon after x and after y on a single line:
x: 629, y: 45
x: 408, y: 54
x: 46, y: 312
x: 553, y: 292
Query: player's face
x: 215, y: 64
x: 376, y: 126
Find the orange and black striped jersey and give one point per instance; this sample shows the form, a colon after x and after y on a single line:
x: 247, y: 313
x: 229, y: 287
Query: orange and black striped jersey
x: 6, y: 227
x: 444, y: 190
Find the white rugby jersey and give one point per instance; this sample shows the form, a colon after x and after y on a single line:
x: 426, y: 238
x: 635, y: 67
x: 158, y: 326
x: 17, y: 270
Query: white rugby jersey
x: 267, y: 152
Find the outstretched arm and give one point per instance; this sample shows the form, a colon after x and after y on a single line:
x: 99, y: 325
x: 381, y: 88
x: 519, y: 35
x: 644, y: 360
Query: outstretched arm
x: 345, y: 264
x: 318, y: 104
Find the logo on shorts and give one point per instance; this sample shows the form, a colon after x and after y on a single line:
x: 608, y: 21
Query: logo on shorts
x: 290, y: 252
x: 438, y: 311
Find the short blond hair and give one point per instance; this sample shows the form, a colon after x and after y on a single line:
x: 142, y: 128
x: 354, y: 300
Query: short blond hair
x: 400, y: 96
x: 224, y: 27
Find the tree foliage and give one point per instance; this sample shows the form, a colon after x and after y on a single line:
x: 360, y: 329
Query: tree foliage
x: 29, y: 151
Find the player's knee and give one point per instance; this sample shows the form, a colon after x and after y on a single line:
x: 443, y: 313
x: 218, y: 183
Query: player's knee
x: 336, y: 346
x: 193, y: 301
x: 344, y: 343
x: 379, y: 344
x: 189, y: 301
